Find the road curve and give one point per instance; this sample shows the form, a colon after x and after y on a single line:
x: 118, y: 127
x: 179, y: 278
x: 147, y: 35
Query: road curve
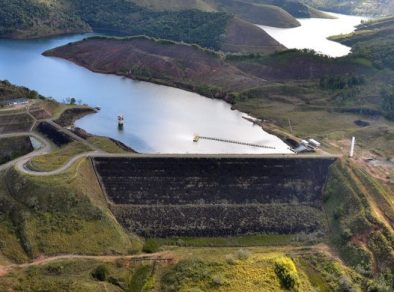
x: 44, y: 149
x: 22, y: 162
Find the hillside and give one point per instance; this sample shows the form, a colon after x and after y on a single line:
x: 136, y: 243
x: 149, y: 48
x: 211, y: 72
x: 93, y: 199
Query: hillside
x: 259, y: 13
x: 196, y: 69
x: 56, y: 215
x: 279, y: 13
x: 10, y: 91
x: 263, y: 14
x: 359, y: 7
x: 295, y: 8
x: 218, y: 30
x: 164, y: 62
x: 373, y: 40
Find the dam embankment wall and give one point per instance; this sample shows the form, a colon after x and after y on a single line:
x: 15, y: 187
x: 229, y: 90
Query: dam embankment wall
x: 207, y: 195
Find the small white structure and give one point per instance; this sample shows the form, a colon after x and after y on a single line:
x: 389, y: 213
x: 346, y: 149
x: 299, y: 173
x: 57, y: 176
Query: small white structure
x: 310, y: 145
x: 120, y: 122
x: 351, y: 154
x: 314, y: 143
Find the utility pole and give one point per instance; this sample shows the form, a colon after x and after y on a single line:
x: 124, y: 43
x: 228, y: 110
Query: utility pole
x: 291, y: 128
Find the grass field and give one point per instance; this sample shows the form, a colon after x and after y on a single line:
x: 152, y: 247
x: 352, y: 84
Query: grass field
x: 70, y: 218
x: 57, y: 158
x: 106, y: 144
x: 212, y: 269
x: 154, y: 244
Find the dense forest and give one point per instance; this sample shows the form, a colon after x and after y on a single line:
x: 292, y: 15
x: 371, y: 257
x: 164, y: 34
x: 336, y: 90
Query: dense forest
x: 35, y: 19
x: 121, y: 17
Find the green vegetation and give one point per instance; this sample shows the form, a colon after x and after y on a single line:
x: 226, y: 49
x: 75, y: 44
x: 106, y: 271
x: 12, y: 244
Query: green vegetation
x: 286, y: 271
x: 296, y: 8
x: 100, y: 273
x: 10, y: 91
x: 341, y: 82
x: 360, y: 7
x: 117, y: 17
x: 11, y: 148
x: 106, y: 144
x: 388, y: 102
x: 257, y: 270
x: 27, y: 18
x: 59, y: 214
x: 57, y: 158
x: 279, y: 13
x: 126, y: 18
x: 155, y: 244
x: 76, y: 275
x: 364, y: 242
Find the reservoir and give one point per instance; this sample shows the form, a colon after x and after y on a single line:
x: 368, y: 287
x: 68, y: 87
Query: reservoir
x: 313, y: 34
x: 158, y: 119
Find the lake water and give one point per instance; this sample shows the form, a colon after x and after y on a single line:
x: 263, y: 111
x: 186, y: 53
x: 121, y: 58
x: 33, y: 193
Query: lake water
x: 313, y: 34
x: 158, y: 118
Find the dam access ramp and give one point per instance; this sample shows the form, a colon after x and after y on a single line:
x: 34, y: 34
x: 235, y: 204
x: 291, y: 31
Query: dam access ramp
x: 215, y: 195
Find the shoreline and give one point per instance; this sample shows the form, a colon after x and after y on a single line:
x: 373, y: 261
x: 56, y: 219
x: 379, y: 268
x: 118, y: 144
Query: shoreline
x: 268, y: 128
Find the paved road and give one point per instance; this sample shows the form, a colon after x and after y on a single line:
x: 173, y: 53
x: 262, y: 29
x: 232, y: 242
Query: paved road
x: 22, y: 162
x: 44, y: 149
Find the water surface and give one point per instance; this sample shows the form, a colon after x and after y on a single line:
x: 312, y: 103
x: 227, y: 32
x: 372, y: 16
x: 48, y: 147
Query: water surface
x: 313, y: 34
x: 159, y: 119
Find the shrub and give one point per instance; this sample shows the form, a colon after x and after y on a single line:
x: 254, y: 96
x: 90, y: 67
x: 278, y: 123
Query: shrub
x: 150, y: 246
x: 100, y: 273
x: 286, y: 271
x: 242, y: 254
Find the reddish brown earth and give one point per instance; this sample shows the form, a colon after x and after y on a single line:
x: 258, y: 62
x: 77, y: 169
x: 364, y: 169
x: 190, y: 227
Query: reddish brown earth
x: 242, y: 36
x: 178, y: 65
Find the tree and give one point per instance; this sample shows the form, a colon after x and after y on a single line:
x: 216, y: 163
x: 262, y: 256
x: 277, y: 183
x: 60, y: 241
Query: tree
x: 100, y: 273
x: 388, y: 102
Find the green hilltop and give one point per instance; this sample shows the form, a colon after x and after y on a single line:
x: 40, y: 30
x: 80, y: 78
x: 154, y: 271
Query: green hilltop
x: 360, y: 7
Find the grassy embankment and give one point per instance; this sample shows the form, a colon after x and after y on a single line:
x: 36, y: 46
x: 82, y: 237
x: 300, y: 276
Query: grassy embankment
x: 57, y: 215
x: 224, y: 269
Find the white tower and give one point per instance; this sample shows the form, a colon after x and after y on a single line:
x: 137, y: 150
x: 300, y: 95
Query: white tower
x: 352, y: 147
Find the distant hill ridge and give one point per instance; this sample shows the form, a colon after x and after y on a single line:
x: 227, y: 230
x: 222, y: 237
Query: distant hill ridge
x: 213, y: 30
x: 359, y: 7
x: 278, y: 13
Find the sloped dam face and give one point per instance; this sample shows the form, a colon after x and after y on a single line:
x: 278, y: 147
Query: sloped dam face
x: 160, y: 196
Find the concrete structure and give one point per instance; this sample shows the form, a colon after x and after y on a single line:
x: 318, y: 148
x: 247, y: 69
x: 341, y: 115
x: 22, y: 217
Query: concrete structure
x: 14, y: 101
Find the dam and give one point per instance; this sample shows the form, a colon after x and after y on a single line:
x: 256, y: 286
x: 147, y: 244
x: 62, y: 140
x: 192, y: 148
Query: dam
x: 215, y: 195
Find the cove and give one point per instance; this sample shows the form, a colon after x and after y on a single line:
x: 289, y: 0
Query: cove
x: 313, y: 34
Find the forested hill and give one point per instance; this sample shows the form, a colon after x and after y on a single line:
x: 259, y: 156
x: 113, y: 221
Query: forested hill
x: 374, y: 41
x: 360, y: 7
x: 214, y: 30
x: 278, y: 13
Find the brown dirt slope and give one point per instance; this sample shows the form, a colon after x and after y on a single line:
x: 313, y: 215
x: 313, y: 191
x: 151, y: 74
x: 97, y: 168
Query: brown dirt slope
x: 242, y: 36
x: 163, y: 62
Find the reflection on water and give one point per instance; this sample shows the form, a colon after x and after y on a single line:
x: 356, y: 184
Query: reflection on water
x: 157, y: 118
x: 313, y: 34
